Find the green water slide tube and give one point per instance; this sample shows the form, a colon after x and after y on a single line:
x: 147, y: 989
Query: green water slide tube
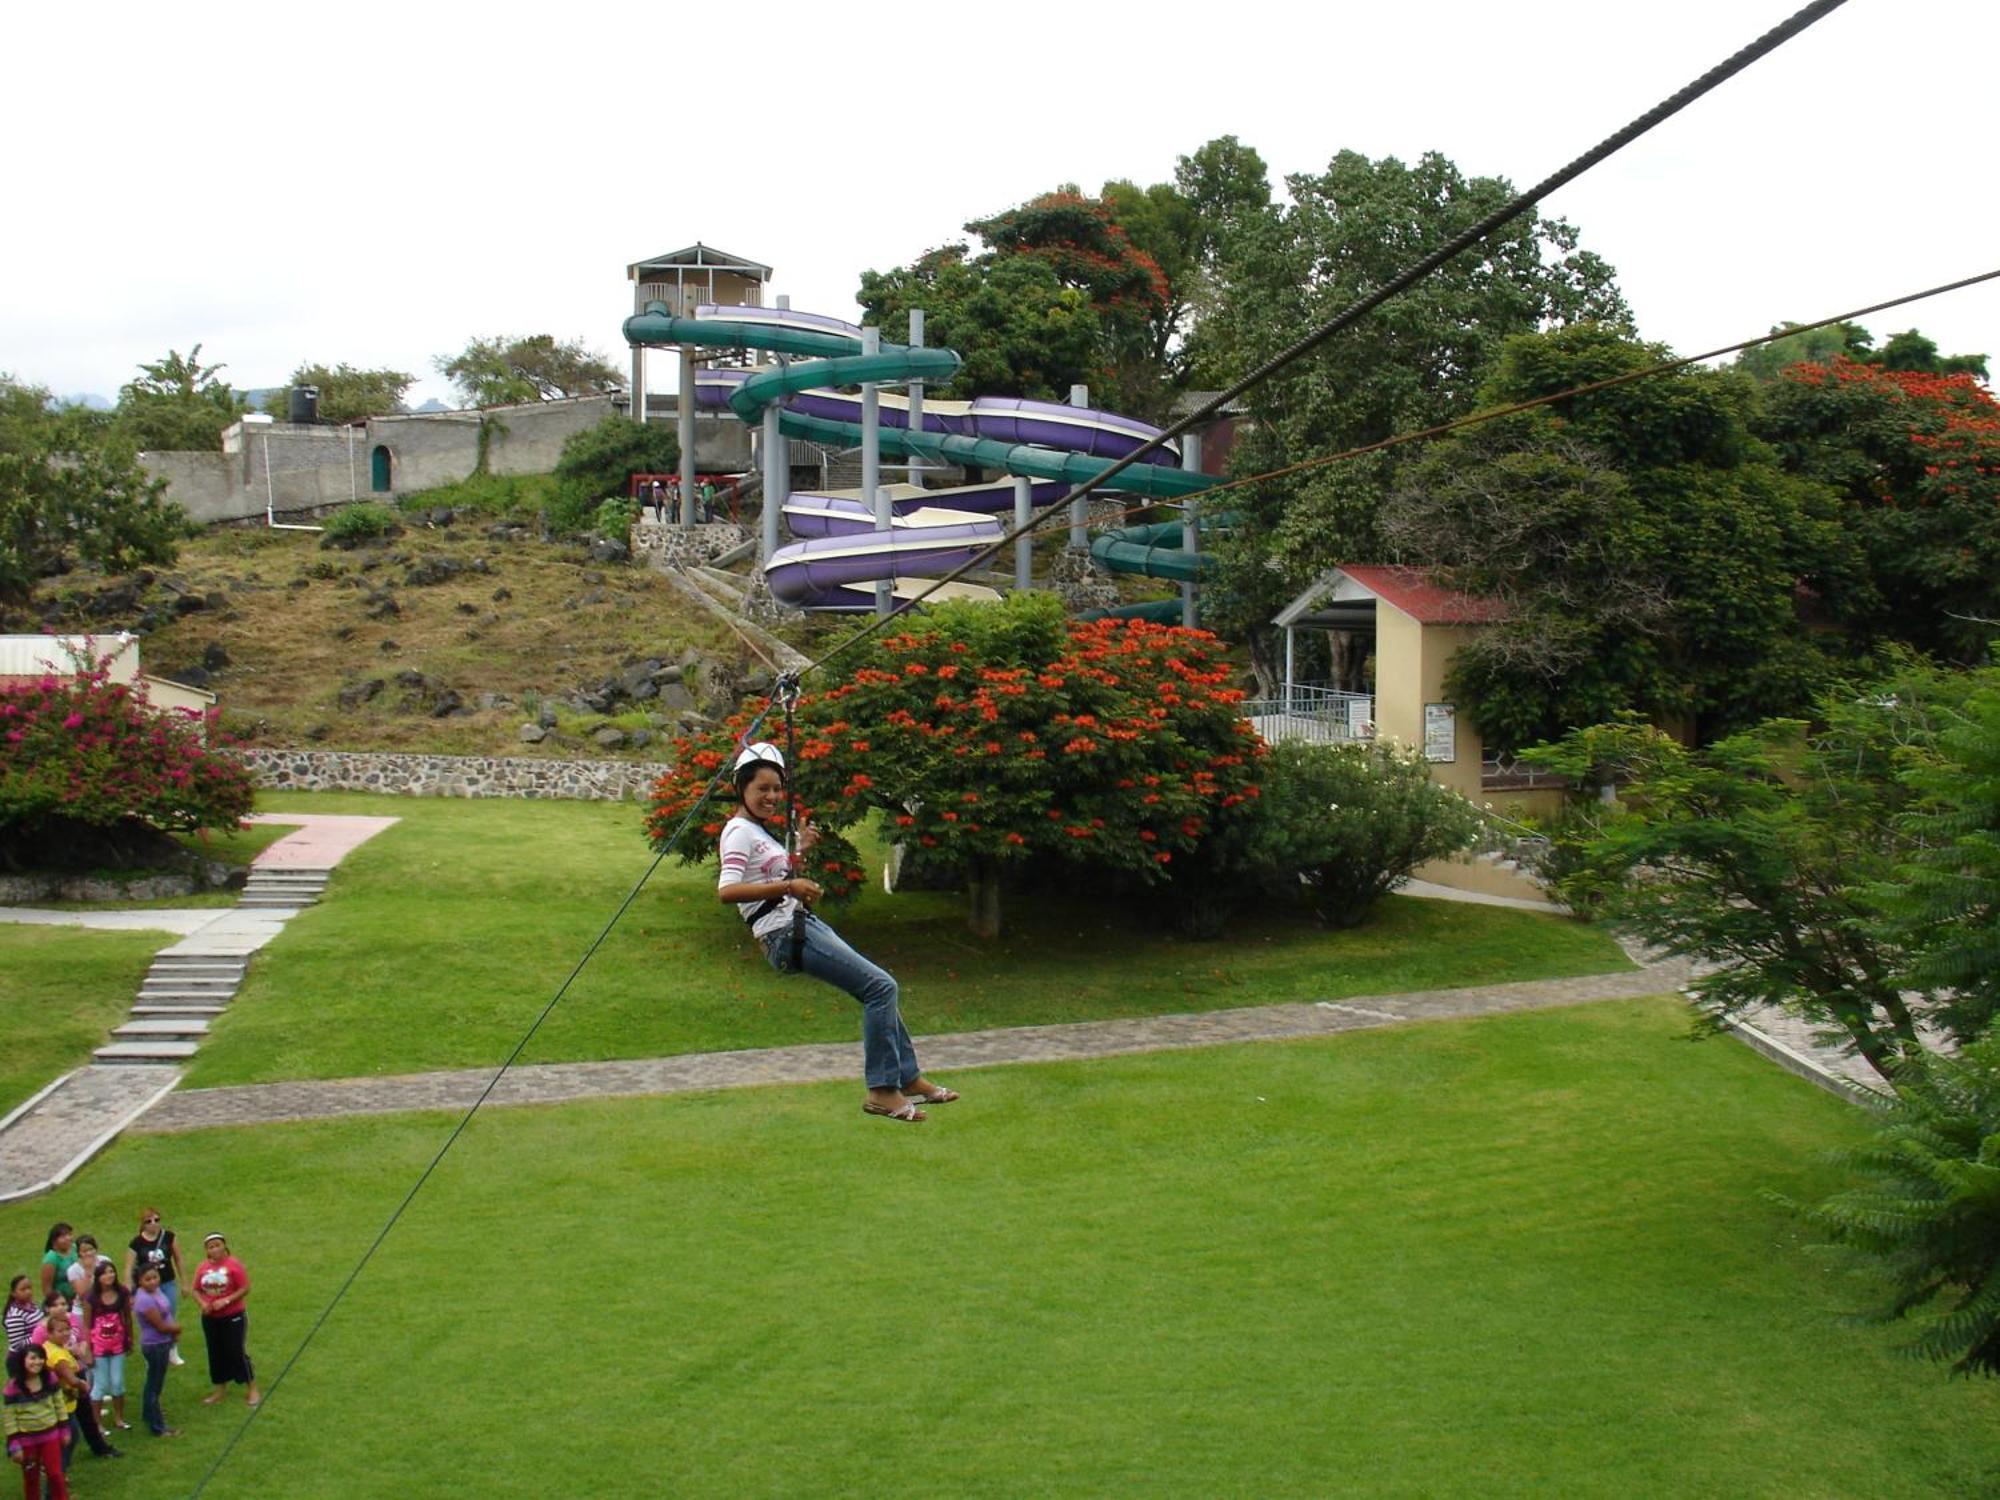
x: 835, y: 359
x: 1155, y: 551
x: 1158, y: 611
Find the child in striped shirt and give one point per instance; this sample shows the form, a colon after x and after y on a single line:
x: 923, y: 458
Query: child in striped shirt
x: 32, y: 1416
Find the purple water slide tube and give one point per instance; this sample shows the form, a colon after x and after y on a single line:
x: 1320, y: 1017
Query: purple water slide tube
x: 809, y: 570
x: 844, y: 511
x: 1049, y: 424
x: 1007, y: 419
x: 808, y: 515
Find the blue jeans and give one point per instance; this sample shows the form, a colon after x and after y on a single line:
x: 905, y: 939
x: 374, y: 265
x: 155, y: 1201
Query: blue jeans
x: 888, y: 1060
x: 156, y: 1380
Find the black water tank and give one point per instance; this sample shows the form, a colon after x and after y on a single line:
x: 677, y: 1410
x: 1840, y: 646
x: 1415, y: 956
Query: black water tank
x: 305, y: 404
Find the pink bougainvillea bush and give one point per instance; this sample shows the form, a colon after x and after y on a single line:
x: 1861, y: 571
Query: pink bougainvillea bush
x: 992, y: 736
x: 83, y: 757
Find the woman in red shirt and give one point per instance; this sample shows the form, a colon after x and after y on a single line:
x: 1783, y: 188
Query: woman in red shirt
x: 220, y: 1286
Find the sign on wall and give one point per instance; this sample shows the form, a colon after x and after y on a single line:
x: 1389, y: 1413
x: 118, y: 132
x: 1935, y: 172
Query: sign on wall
x: 1440, y: 732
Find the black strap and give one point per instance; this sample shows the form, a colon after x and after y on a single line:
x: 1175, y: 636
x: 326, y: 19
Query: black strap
x: 799, y: 939
x: 763, y: 909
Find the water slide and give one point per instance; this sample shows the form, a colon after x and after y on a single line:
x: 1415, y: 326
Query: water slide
x: 843, y: 552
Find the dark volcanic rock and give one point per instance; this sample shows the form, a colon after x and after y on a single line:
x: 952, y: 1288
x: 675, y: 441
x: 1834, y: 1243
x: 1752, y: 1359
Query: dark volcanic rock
x: 431, y: 571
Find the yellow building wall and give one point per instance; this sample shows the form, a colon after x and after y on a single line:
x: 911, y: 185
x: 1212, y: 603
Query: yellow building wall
x: 1410, y: 665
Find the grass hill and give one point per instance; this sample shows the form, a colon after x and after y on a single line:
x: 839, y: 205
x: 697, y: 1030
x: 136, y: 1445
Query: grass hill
x: 447, y: 638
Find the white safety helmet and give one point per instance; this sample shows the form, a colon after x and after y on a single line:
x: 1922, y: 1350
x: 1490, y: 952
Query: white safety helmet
x: 762, y: 752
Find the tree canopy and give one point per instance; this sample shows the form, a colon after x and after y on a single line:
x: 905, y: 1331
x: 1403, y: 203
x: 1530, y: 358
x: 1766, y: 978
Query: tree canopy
x: 1070, y: 288
x: 346, y: 394
x: 1907, y: 351
x: 1648, y: 548
x: 1417, y: 361
x: 1914, y: 461
x: 1019, y: 330
x: 598, y: 463
x: 71, y: 492
x: 176, y: 403
x: 1000, y: 736
x: 503, y: 371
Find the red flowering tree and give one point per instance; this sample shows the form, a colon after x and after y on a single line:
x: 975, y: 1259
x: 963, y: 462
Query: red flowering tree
x: 993, y: 736
x: 1916, y: 457
x: 90, y: 773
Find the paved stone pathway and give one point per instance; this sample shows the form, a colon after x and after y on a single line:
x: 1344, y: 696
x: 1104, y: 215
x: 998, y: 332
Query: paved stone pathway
x: 550, y: 1083
x: 55, y: 1133
x: 180, y: 919
x: 52, y: 1134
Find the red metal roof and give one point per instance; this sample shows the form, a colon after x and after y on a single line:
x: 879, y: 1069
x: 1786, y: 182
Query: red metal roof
x: 1411, y: 591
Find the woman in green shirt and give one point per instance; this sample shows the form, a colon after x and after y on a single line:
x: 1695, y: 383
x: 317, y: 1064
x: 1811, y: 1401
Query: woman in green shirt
x: 58, y: 1255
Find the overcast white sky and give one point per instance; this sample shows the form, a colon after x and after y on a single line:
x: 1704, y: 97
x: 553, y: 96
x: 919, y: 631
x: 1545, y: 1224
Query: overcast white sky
x: 376, y: 183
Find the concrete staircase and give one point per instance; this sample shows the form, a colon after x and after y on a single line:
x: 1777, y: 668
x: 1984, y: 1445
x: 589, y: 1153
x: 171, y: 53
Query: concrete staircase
x: 269, y: 889
x: 192, y: 983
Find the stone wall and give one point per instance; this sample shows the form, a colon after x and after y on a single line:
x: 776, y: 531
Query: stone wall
x: 448, y: 775
x: 683, y: 546
x: 208, y: 486
x: 298, y: 470
x: 313, y: 469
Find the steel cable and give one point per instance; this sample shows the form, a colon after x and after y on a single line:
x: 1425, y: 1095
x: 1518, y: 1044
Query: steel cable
x: 484, y: 1094
x: 1721, y: 73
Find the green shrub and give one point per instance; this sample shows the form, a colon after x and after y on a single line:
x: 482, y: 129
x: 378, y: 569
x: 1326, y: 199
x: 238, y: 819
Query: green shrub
x: 1338, y: 827
x: 1005, y: 738
x: 513, y: 496
x: 1570, y: 864
x: 84, y: 762
x: 600, y: 461
x: 365, y: 522
x: 1927, y: 1212
x: 615, y: 517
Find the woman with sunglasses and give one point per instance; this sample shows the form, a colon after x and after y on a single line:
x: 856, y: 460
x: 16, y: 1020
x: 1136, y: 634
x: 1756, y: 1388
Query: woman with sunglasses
x: 154, y: 1246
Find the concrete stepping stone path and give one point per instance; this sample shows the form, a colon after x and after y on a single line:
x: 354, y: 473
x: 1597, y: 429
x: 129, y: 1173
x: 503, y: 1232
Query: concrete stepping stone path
x: 190, y: 983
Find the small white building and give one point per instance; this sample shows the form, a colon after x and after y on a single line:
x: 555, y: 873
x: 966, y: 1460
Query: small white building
x: 33, y: 657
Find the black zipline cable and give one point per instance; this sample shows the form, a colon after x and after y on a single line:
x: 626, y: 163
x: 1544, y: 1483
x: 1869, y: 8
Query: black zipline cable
x: 1770, y: 41
x: 1494, y: 413
x: 1721, y: 73
x: 786, y: 684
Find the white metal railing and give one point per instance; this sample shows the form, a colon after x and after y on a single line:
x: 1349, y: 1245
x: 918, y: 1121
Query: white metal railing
x: 1319, y: 714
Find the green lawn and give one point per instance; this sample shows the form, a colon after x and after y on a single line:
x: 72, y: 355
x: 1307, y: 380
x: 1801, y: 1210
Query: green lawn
x: 441, y: 938
x: 62, y: 989
x: 1525, y: 1255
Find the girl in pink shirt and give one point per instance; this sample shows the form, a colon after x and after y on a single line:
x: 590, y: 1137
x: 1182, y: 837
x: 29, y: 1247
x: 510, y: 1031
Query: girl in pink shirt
x: 106, y: 1313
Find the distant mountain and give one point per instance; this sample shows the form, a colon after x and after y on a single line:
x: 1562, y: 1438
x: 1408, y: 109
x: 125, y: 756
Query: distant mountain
x: 431, y: 405
x: 87, y: 399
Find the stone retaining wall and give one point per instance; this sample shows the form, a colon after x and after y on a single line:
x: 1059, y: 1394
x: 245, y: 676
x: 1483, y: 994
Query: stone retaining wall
x: 683, y: 546
x: 205, y: 875
x: 448, y: 775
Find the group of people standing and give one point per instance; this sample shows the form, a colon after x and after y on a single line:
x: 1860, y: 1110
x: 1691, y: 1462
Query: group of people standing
x: 73, y: 1325
x: 661, y: 501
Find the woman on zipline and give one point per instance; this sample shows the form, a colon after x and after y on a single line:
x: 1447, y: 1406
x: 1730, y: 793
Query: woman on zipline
x: 757, y: 879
